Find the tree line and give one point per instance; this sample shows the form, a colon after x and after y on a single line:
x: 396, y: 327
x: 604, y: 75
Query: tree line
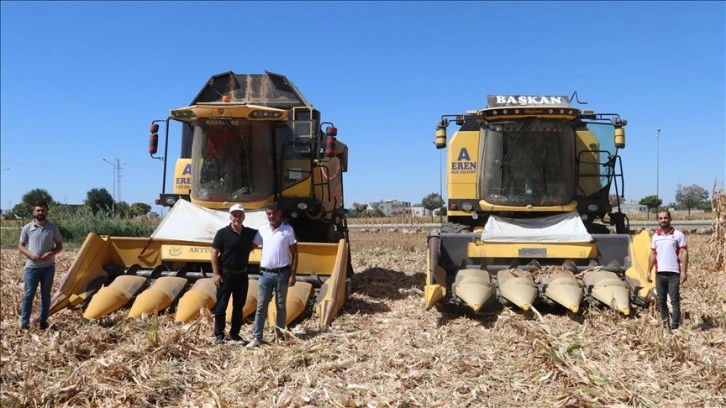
x: 693, y: 197
x: 98, y: 202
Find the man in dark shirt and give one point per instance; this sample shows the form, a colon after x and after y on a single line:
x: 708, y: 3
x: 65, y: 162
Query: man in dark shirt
x: 230, y: 254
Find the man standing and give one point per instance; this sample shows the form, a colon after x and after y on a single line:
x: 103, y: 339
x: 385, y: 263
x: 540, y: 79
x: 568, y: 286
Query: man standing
x: 278, y: 266
x: 230, y: 254
x: 669, y: 255
x: 40, y: 241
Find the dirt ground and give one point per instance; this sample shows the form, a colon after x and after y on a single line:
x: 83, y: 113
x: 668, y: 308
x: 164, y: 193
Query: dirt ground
x: 385, y: 350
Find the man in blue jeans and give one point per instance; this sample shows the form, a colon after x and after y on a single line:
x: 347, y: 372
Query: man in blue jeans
x: 40, y: 241
x: 669, y: 255
x: 278, y: 266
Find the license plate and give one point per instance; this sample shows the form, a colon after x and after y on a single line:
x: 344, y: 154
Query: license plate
x: 533, y: 252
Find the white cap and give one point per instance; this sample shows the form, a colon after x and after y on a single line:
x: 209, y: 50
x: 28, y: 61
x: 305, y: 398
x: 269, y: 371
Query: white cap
x: 236, y: 207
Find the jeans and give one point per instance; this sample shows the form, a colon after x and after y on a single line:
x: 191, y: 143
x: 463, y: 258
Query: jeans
x: 268, y: 283
x: 33, y: 277
x: 668, y: 284
x: 235, y: 286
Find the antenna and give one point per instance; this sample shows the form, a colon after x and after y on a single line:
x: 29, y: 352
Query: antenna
x: 576, y: 97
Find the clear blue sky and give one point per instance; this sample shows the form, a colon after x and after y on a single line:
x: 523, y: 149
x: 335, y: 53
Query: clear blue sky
x: 81, y: 82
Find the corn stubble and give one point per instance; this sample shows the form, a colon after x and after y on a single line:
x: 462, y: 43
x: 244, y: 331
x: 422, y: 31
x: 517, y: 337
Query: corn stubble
x: 385, y: 350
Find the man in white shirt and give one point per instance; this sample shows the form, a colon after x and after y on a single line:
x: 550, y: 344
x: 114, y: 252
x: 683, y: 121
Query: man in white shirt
x: 669, y: 255
x: 278, y: 266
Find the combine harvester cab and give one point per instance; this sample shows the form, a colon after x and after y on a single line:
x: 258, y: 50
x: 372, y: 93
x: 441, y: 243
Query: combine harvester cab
x: 529, y: 180
x: 246, y: 139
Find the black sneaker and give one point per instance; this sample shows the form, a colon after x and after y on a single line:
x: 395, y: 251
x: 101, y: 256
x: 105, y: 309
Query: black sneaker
x: 237, y: 337
x: 43, y: 325
x: 24, y: 326
x: 219, y: 340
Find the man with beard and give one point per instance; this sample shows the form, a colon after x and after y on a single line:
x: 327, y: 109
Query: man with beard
x: 278, y: 266
x: 669, y: 255
x: 40, y: 241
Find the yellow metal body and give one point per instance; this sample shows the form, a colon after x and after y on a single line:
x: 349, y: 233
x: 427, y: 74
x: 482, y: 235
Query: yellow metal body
x: 493, y: 250
x: 483, y: 165
x: 182, y: 177
x: 203, y: 295
x: 637, y: 274
x: 462, y: 160
x: 256, y: 140
x: 86, y: 276
x: 518, y: 287
x: 159, y: 296
x: 564, y: 289
x: 114, y: 296
x: 474, y: 287
x: 609, y: 289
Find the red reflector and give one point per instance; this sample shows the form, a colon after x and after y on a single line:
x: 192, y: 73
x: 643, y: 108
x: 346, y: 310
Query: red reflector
x: 157, y: 201
x: 453, y: 206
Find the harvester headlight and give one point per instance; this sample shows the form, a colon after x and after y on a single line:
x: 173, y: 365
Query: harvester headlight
x: 467, y: 206
x: 302, y: 206
x: 583, y: 217
x: 170, y: 201
x: 265, y: 114
x: 293, y: 214
x: 593, y: 207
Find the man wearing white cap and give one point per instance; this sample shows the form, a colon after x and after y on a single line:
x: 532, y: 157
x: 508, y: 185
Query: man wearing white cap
x: 230, y: 255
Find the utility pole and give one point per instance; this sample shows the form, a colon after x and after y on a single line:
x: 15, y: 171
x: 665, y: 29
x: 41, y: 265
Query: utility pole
x: 116, y: 183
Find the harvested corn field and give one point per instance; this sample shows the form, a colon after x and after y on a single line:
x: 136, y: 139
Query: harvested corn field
x: 385, y: 350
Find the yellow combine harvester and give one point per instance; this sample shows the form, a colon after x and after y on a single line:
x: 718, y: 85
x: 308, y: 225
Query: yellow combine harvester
x: 247, y: 139
x: 529, y: 217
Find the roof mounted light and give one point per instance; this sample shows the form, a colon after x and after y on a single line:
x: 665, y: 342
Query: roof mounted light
x: 265, y: 114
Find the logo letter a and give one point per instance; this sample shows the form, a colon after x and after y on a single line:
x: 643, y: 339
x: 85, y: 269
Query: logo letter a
x: 464, y: 155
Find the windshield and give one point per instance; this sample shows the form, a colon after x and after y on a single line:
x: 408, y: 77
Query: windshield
x: 527, y: 162
x: 232, y: 161
x: 601, y: 152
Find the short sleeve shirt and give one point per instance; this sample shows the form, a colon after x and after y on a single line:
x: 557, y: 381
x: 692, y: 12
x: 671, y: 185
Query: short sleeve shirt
x: 275, y: 245
x: 234, y: 249
x: 667, y: 245
x: 40, y: 239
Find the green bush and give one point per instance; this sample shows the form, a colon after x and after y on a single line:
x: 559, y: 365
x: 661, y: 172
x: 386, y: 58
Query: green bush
x: 10, y: 235
x: 75, y: 229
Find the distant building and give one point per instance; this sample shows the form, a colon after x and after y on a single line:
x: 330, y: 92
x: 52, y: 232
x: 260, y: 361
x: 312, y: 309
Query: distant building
x: 419, y: 211
x: 394, y: 208
x: 632, y: 208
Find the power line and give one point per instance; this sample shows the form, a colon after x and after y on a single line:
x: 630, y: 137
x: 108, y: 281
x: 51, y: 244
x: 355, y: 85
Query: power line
x: 116, y: 193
